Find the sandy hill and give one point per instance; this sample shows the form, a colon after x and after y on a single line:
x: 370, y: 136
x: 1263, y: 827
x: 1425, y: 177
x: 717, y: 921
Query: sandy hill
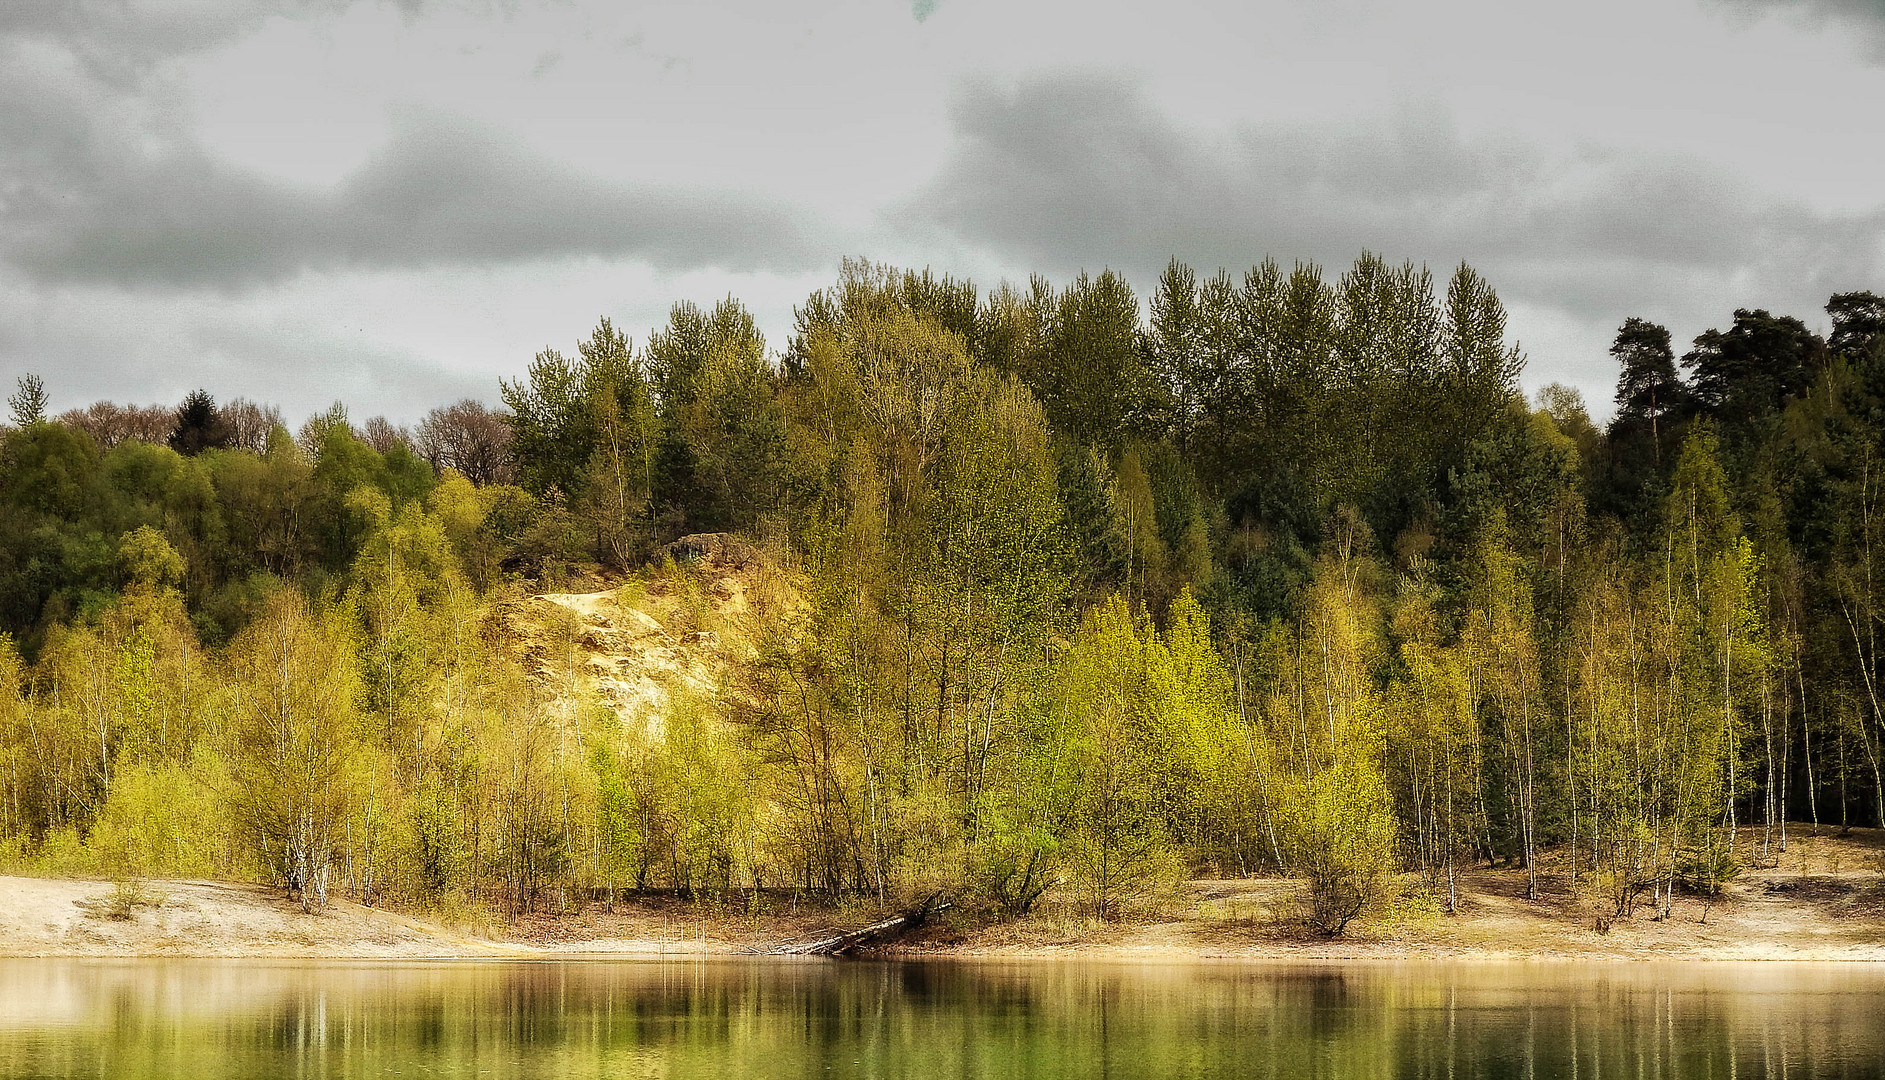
x: 678, y: 627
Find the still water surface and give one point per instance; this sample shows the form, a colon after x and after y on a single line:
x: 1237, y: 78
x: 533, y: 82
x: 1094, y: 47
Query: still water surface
x: 733, y: 1019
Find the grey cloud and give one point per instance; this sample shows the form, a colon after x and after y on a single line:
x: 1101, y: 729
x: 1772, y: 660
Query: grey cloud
x: 287, y: 363
x: 1850, y: 9
x: 446, y: 193
x: 150, y: 28
x: 1856, y: 10
x: 118, y: 40
x: 265, y: 364
x: 80, y: 201
x: 1079, y: 170
x: 1865, y: 17
x: 100, y: 181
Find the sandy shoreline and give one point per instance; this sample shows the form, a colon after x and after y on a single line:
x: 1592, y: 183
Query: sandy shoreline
x: 1813, y: 906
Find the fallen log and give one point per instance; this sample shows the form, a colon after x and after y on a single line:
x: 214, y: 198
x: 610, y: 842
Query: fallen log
x: 874, y: 934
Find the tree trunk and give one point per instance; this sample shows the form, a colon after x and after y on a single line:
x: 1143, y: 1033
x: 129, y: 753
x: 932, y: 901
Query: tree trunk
x: 874, y: 934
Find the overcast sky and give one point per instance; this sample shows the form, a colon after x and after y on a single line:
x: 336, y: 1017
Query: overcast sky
x: 397, y: 202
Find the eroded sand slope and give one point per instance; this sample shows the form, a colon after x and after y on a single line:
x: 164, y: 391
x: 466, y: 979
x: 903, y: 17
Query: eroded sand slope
x: 675, y: 631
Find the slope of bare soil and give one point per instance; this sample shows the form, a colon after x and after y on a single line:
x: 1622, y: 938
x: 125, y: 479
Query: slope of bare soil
x: 675, y: 630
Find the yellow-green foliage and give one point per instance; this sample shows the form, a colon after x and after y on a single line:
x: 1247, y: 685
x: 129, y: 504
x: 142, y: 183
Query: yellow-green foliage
x: 1120, y: 856
x: 294, y: 737
x: 1159, y: 762
x: 1433, y: 747
x: 148, y: 559
x: 166, y: 820
x: 17, y: 763
x: 1338, y: 835
x: 979, y: 657
x: 1209, y: 793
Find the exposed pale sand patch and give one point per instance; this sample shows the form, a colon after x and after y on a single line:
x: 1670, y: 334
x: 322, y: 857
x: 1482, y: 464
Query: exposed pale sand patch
x: 1774, y: 914
x: 60, y: 917
x: 1824, y: 899
x: 664, y: 634
x: 618, y: 653
x: 66, y: 917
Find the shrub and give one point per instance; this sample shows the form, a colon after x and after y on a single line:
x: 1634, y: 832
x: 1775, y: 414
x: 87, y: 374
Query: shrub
x: 1338, y: 837
x: 127, y: 895
x: 1707, y: 869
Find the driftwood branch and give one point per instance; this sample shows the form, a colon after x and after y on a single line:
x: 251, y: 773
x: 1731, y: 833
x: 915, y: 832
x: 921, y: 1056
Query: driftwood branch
x: 875, y: 933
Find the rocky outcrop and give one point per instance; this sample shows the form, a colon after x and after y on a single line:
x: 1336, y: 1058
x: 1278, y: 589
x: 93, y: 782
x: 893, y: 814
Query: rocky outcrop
x: 718, y: 551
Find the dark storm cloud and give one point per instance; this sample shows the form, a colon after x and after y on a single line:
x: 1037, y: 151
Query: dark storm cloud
x: 1080, y: 170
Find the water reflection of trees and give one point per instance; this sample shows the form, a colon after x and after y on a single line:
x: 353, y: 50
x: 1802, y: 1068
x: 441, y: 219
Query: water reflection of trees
x: 765, y: 1019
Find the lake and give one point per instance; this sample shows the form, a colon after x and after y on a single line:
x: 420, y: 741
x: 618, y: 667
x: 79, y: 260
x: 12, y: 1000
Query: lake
x: 813, y: 1018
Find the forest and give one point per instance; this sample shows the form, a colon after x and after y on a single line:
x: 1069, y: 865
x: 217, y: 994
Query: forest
x: 1271, y: 574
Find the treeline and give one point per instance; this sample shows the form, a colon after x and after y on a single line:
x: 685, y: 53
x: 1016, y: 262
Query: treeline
x: 1288, y: 577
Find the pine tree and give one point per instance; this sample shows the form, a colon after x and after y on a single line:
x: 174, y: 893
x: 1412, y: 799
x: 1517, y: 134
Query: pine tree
x: 200, y: 426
